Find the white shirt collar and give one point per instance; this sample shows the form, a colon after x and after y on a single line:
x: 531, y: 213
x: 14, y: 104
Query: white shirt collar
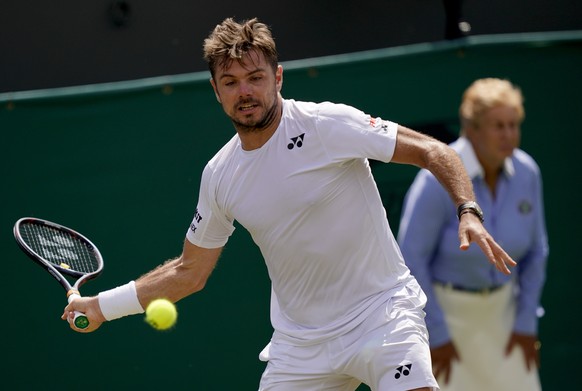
x: 465, y: 150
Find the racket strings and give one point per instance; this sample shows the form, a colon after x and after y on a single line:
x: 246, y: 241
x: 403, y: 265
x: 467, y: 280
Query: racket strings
x: 61, y: 248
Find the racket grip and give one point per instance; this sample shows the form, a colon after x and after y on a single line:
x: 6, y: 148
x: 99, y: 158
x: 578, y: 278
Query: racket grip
x: 80, y: 320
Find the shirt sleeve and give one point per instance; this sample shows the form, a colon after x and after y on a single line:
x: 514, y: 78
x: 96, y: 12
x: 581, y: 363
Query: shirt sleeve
x: 532, y: 268
x: 349, y: 133
x: 210, y: 227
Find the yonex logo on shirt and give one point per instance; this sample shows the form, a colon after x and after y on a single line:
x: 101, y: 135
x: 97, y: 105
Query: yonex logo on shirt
x: 296, y: 141
x: 403, y: 371
x: 384, y: 126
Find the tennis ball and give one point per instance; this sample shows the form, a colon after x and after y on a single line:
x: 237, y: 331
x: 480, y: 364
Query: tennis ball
x: 161, y: 314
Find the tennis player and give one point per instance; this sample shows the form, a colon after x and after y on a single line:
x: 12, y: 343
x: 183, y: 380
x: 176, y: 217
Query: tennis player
x: 344, y: 307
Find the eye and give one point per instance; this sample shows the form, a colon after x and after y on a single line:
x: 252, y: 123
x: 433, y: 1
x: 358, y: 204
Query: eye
x: 229, y: 83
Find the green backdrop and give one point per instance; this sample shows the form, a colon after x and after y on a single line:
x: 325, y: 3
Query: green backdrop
x: 121, y: 163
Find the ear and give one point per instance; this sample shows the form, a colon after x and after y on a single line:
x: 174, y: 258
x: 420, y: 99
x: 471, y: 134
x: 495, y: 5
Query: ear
x: 216, y: 94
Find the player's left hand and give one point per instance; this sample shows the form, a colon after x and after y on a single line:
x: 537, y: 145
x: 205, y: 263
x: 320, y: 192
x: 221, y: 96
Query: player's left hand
x: 530, y: 346
x: 472, y: 230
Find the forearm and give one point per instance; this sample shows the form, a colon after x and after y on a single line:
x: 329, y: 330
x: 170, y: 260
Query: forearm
x: 441, y: 160
x: 172, y: 280
x: 444, y: 163
x: 531, y: 281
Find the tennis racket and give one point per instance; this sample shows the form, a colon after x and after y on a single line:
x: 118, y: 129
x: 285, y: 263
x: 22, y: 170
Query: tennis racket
x: 64, y: 253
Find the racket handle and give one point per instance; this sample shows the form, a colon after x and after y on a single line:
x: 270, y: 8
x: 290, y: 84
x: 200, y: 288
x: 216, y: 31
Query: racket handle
x: 80, y: 320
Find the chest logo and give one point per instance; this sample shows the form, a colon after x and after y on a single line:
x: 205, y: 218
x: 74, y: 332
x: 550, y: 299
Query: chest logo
x: 296, y: 141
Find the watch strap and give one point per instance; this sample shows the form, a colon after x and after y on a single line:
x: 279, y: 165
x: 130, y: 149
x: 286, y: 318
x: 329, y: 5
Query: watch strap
x: 470, y: 207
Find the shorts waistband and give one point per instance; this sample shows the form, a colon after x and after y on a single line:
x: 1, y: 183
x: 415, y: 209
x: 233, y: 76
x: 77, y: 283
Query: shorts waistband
x: 460, y: 288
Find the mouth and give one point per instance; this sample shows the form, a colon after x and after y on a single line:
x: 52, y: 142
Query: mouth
x: 246, y: 107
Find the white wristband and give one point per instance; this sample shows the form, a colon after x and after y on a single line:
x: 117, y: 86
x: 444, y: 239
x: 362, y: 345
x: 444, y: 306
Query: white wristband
x: 119, y: 302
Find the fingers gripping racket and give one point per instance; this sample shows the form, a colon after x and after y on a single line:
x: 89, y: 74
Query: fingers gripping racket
x: 64, y: 253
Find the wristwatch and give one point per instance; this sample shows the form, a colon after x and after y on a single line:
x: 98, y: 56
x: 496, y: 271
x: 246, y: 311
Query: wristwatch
x: 470, y: 207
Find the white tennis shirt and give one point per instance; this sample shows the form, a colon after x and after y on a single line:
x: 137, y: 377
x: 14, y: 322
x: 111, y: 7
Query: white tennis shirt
x: 310, y: 203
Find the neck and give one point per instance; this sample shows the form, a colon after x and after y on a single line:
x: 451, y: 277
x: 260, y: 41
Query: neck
x: 491, y: 176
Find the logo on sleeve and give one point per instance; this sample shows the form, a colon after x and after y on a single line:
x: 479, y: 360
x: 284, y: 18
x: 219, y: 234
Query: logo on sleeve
x: 196, y: 221
x: 296, y: 141
x: 383, y: 124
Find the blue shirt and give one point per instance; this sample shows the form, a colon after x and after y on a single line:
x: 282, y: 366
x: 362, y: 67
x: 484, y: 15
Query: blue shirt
x: 429, y: 241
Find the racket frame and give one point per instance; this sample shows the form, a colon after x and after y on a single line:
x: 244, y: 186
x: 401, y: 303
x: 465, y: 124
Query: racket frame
x: 59, y: 273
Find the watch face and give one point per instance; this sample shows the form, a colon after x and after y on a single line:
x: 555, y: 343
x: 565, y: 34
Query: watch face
x: 477, y: 208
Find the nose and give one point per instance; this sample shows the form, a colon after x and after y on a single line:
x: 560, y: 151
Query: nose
x: 245, y: 89
x: 508, y: 129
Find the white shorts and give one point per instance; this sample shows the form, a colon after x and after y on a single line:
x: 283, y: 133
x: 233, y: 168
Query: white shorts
x: 388, y: 352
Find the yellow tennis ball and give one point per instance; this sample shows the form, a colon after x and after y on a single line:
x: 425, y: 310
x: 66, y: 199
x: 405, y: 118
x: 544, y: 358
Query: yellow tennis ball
x: 161, y: 314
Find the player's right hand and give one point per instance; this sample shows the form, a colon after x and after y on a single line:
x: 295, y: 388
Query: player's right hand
x: 88, y: 306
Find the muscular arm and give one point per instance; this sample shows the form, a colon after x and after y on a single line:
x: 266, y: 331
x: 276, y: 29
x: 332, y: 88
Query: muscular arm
x: 443, y: 162
x: 174, y: 280
x: 179, y: 277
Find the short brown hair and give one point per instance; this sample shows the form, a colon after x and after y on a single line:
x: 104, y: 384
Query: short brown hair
x: 230, y: 40
x: 485, y: 94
